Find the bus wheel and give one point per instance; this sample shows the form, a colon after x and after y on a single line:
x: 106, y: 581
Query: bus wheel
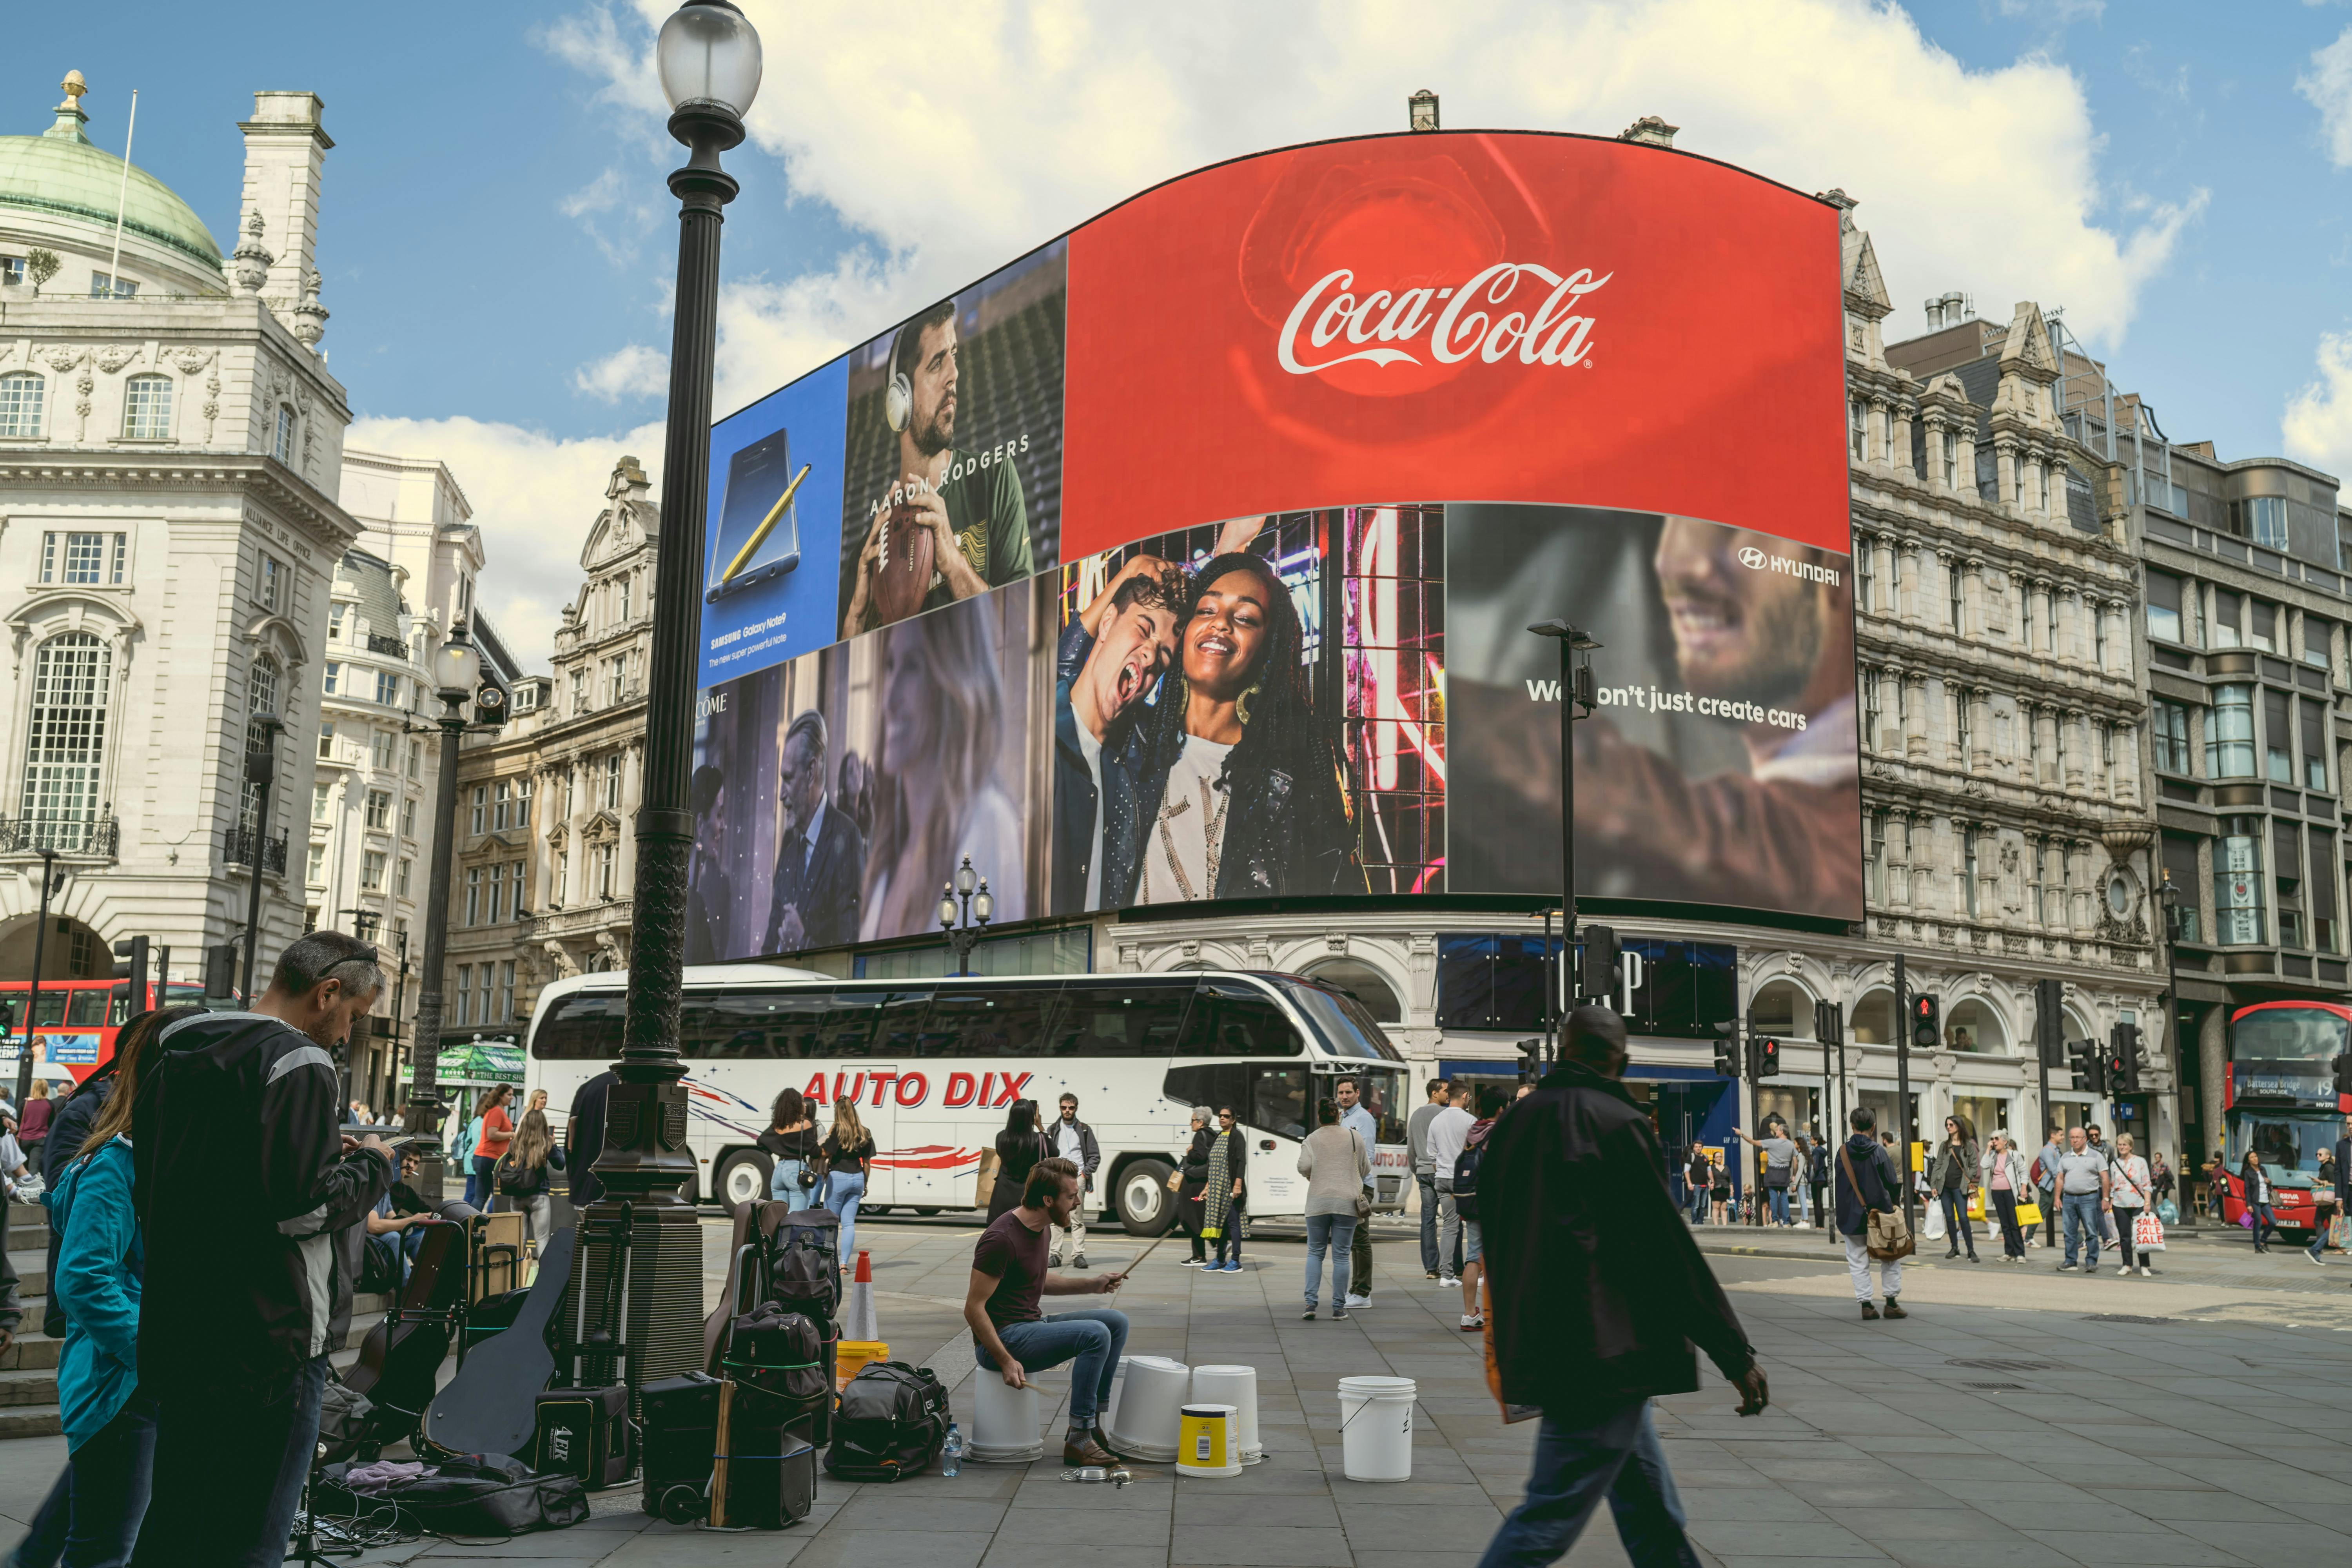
x: 743, y: 1177
x: 1145, y: 1205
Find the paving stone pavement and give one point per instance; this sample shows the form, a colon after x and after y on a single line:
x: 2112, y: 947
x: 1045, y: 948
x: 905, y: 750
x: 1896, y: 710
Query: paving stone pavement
x: 2209, y: 1437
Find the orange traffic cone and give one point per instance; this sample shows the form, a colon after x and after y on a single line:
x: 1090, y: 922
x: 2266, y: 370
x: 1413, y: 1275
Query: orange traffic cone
x: 861, y: 1333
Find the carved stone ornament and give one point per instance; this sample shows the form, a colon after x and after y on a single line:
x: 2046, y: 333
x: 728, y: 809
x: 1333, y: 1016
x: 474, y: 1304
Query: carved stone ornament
x: 114, y: 356
x: 62, y: 359
x: 190, y: 359
x: 249, y: 263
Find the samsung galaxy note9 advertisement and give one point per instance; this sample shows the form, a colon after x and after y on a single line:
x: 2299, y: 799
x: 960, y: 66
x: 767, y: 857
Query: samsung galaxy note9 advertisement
x: 1191, y: 557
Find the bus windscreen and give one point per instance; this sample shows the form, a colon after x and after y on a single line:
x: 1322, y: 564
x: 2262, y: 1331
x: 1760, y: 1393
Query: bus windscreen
x: 2288, y: 1035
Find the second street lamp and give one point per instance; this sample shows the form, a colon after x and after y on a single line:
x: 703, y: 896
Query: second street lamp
x: 1576, y: 701
x: 979, y: 908
x: 457, y: 668
x: 709, y: 60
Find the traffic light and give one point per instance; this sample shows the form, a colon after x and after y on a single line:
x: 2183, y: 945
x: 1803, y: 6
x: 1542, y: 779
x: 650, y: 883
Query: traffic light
x: 1531, y: 1062
x: 220, y: 975
x: 130, y: 964
x: 2049, y: 1021
x: 2122, y: 1059
x: 1596, y: 972
x: 2090, y: 1067
x: 1763, y: 1057
x: 1829, y: 1024
x: 1926, y: 1021
x: 1726, y: 1049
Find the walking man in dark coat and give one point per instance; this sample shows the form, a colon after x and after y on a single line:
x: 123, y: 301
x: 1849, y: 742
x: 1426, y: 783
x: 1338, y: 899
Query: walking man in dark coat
x: 1599, y: 1292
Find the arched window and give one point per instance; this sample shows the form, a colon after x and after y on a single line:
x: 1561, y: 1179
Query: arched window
x: 282, y: 447
x: 20, y: 403
x: 72, y: 680
x: 261, y: 687
x: 147, y: 408
x: 1782, y: 1010
x: 1363, y: 982
x: 1871, y: 1023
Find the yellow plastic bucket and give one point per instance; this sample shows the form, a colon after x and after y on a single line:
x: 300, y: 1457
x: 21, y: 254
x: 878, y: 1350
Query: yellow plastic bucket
x: 1204, y: 1442
x: 851, y: 1354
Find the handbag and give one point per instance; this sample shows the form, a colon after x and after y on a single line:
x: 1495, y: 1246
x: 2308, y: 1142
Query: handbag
x: 1975, y: 1205
x: 2028, y: 1216
x: 2148, y: 1233
x: 1932, y: 1226
x: 1888, y: 1236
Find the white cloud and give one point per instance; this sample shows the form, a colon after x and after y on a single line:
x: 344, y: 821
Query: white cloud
x: 534, y: 498
x: 953, y: 137
x: 631, y: 373
x: 2317, y: 427
x: 2328, y: 85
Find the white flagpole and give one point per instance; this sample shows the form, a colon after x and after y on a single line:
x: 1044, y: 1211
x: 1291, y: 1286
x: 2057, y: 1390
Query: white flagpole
x: 122, y: 199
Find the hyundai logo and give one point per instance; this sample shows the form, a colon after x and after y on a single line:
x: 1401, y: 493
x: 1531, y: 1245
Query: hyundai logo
x: 1752, y: 558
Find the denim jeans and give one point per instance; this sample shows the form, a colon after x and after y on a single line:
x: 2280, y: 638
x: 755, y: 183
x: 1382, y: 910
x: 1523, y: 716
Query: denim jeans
x: 1334, y: 1233
x: 2081, y: 1219
x: 1956, y: 1220
x: 45, y: 1538
x: 1779, y: 1201
x: 1617, y: 1457
x: 110, y: 1474
x: 1093, y: 1339
x: 784, y: 1183
x: 1428, y: 1185
x: 2265, y: 1222
x: 1449, y: 1229
x: 479, y: 1188
x: 229, y: 1467
x: 844, y: 1190
x: 1697, y: 1202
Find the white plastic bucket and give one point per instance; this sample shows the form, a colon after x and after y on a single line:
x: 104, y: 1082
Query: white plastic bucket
x: 1236, y: 1387
x: 1205, y: 1447
x: 1005, y: 1422
x: 1376, y: 1428
x: 1108, y: 1416
x: 1149, y: 1407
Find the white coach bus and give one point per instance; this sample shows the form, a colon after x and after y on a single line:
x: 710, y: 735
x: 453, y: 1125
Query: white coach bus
x: 935, y: 1066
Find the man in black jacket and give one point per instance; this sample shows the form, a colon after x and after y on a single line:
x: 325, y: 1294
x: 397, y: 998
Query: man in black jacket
x: 1867, y: 1182
x: 243, y: 1181
x: 1073, y: 1141
x: 1598, y: 1292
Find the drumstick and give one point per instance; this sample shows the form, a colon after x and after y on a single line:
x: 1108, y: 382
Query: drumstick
x: 1139, y: 1262
x: 760, y: 534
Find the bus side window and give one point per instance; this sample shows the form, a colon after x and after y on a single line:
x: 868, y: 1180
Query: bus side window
x: 1133, y: 1019
x: 1209, y: 1087
x: 899, y: 1033
x: 50, y: 1007
x: 987, y: 1024
x: 583, y: 1026
x: 1228, y: 1020
x: 12, y: 1011
x: 86, y: 1007
x: 1277, y: 1100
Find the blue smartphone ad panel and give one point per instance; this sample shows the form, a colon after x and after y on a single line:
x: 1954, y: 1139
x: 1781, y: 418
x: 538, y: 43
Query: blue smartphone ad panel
x: 774, y: 528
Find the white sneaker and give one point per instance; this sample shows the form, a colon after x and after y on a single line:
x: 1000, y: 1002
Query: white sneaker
x: 1447, y: 1282
x: 2144, y: 1270
x: 1354, y: 1302
x: 2122, y: 1268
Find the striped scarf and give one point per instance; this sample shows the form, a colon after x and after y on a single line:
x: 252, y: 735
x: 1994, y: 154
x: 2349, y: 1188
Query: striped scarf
x: 1219, y: 1194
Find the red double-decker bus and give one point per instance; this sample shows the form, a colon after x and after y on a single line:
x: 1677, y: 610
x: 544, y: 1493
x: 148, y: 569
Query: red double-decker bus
x: 2279, y: 1098
x: 76, y: 1021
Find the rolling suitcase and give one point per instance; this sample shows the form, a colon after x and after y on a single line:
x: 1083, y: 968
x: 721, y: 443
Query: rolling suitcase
x: 678, y: 1442
x: 762, y: 1477
x: 779, y: 1359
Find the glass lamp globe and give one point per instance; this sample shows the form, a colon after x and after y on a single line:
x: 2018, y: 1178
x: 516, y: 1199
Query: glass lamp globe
x: 456, y: 668
x: 965, y: 878
x: 708, y: 53
x: 984, y: 907
x: 947, y: 907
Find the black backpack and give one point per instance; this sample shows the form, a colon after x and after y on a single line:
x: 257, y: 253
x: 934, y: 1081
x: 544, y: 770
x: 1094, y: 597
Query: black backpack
x: 1465, y: 1178
x: 803, y: 1265
x: 892, y: 1423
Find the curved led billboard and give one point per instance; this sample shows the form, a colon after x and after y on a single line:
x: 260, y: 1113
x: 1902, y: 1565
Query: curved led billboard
x: 1191, y: 556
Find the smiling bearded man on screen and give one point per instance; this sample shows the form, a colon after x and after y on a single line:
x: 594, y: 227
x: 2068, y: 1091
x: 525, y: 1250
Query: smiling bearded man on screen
x: 1784, y: 834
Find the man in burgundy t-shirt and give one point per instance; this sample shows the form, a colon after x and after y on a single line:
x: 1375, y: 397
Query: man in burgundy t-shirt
x: 1010, y: 1337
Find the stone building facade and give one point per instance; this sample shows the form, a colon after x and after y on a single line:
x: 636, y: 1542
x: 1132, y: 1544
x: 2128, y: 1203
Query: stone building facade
x: 546, y: 852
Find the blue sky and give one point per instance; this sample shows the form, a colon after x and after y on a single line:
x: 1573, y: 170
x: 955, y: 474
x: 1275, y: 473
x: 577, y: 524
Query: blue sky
x: 497, y: 242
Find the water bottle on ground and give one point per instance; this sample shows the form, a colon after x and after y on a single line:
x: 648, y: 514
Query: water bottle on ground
x: 951, y: 1455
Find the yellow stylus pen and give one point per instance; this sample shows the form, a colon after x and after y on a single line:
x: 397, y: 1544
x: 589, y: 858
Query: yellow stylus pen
x: 760, y: 534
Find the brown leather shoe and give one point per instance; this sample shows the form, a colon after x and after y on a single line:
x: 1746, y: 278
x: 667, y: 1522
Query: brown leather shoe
x: 1102, y: 1440
x: 1869, y: 1312
x: 1085, y: 1450
x: 1895, y: 1309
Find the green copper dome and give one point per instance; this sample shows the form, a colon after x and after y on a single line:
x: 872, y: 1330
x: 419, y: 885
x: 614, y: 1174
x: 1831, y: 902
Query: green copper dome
x: 61, y: 171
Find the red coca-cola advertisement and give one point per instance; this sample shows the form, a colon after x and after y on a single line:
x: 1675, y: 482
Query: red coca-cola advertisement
x: 1192, y: 557
x: 1477, y: 316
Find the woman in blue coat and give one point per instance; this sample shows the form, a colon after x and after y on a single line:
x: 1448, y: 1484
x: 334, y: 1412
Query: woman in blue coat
x: 110, y: 1421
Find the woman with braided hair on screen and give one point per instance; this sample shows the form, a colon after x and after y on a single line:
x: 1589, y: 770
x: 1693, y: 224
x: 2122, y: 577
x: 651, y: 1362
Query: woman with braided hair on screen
x: 1249, y: 798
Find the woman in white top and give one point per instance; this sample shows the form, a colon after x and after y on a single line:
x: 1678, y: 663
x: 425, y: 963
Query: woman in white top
x: 1334, y: 1163
x: 2128, y: 1187
x: 947, y: 742
x: 2001, y: 1172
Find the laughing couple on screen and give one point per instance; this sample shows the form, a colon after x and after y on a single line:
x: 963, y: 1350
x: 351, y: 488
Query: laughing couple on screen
x: 1189, y: 762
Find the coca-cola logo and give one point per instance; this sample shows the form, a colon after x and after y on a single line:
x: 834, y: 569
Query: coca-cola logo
x: 1459, y: 320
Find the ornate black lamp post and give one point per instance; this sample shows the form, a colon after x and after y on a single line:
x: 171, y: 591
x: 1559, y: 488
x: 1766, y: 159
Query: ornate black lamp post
x: 1576, y: 701
x: 978, y: 910
x: 709, y: 61
x: 52, y: 880
x: 457, y: 668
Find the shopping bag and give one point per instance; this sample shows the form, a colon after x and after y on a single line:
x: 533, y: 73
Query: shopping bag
x: 2167, y: 1211
x: 2028, y: 1216
x: 1932, y: 1228
x: 2246, y: 1219
x: 1975, y: 1206
x: 2339, y: 1234
x: 2148, y: 1233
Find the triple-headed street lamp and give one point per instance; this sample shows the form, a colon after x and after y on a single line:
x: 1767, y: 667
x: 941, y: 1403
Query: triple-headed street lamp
x: 707, y: 58
x: 978, y: 908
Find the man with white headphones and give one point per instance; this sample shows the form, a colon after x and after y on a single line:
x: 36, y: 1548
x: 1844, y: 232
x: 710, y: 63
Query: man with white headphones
x: 952, y: 522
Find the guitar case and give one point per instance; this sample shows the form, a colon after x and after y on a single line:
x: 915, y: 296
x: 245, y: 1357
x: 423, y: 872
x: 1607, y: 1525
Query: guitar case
x: 491, y: 1406
x: 399, y: 1364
